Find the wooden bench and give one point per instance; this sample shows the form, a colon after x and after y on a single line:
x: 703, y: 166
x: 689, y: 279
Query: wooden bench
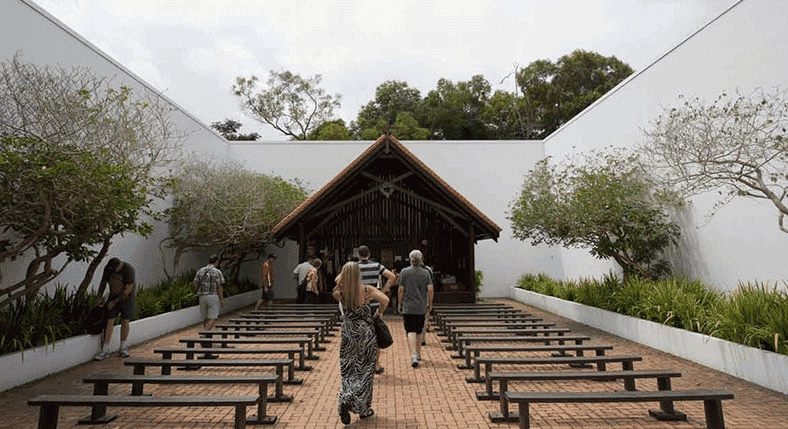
x: 475, y: 350
x: 663, y: 383
x: 465, y: 341
x: 50, y: 404
x: 324, y: 325
x: 101, y: 384
x: 304, y: 342
x: 238, y: 333
x: 275, y: 325
x: 139, y: 365
x: 520, y: 324
x: 535, y: 331
x: 627, y: 363
x: 291, y: 352
x: 712, y: 401
x: 327, y: 319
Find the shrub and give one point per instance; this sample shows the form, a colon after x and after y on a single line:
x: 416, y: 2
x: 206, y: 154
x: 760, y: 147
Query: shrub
x: 754, y: 315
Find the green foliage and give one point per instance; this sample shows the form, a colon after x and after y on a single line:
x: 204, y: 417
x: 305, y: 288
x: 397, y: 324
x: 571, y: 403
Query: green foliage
x: 553, y: 93
x: 392, y: 98
x: 454, y: 111
x: 44, y: 320
x: 479, y: 280
x: 291, y: 104
x: 330, y: 130
x: 28, y: 323
x: 607, y: 203
x: 229, y: 130
x: 222, y: 206
x: 753, y: 315
x: 79, y: 161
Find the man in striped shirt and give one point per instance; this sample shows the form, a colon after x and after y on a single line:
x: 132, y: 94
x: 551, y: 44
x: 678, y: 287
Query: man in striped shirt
x: 371, y: 273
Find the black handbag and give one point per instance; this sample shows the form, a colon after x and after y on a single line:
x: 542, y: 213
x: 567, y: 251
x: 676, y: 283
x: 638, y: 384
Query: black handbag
x: 382, y: 333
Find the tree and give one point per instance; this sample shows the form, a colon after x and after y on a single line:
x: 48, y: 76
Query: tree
x: 79, y: 161
x: 606, y: 203
x: 229, y: 130
x: 291, y: 104
x: 453, y: 112
x: 555, y: 92
x: 378, y: 116
x: 223, y: 207
x: 737, y: 143
x: 330, y: 130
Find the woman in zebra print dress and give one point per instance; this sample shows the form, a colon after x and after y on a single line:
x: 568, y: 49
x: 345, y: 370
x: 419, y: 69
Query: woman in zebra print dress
x: 358, y: 350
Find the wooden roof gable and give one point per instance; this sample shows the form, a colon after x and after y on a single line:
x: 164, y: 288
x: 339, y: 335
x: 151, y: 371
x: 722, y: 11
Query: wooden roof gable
x: 387, y: 168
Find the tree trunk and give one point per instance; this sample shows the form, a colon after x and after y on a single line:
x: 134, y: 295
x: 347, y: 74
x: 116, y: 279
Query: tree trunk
x: 83, y: 287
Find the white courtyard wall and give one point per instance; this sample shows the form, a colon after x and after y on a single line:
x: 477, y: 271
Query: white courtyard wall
x: 743, y: 49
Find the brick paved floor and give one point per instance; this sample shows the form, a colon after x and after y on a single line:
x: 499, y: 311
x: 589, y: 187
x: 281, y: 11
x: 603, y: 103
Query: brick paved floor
x: 433, y: 396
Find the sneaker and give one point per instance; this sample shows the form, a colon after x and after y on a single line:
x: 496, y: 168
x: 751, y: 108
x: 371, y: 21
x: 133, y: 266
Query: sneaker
x: 101, y: 355
x: 124, y: 352
x: 414, y: 361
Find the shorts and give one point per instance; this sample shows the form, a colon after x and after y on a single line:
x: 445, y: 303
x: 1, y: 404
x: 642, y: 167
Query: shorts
x: 413, y: 323
x: 209, y: 306
x: 126, y: 309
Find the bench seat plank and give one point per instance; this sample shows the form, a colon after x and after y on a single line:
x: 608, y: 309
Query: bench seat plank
x: 476, y: 350
x: 101, y: 383
x: 139, y: 365
x: 167, y: 352
x: 600, y: 361
x: 464, y: 341
x: 712, y: 401
x: 50, y: 404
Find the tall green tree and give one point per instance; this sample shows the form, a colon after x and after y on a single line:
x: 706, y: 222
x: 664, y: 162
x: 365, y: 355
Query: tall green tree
x: 79, y: 163
x: 379, y: 115
x: 330, y: 130
x: 229, y: 129
x: 454, y: 111
x: 607, y: 203
x: 554, y: 93
x: 293, y: 105
x: 225, y: 208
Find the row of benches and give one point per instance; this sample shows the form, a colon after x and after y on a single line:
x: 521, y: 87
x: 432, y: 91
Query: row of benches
x: 318, y: 322
x: 480, y: 328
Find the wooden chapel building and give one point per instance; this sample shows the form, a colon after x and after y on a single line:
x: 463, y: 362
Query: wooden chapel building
x: 392, y: 202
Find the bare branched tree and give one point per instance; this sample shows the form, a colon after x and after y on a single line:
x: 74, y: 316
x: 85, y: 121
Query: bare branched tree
x: 223, y: 207
x: 738, y: 144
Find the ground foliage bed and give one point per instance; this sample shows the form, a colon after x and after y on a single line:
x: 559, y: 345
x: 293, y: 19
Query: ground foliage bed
x: 755, y: 315
x: 46, y: 319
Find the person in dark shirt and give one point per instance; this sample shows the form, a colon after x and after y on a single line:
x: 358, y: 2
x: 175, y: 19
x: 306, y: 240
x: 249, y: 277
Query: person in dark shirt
x: 121, y: 301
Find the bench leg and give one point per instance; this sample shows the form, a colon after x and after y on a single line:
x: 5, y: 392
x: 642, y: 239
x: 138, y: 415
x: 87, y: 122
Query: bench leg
x: 240, y: 417
x: 714, y: 417
x: 98, y: 413
x: 47, y: 416
x: 666, y: 410
x: 504, y: 416
x: 525, y: 415
x: 261, y: 418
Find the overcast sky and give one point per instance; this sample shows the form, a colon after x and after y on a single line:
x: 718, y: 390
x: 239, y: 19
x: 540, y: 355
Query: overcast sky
x: 193, y: 50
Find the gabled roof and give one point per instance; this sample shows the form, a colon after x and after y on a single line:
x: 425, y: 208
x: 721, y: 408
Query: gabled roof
x: 388, y: 146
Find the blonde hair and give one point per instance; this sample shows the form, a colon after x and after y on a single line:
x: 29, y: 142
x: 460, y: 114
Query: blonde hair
x: 350, y: 285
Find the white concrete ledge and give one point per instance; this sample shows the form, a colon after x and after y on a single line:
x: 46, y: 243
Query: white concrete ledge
x: 22, y: 367
x: 762, y: 367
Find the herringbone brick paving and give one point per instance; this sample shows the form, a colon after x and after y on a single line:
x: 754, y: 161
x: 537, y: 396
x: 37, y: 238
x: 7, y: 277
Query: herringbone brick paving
x: 435, y: 395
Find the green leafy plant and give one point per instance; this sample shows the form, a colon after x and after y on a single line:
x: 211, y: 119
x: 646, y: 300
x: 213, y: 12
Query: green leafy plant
x: 754, y: 315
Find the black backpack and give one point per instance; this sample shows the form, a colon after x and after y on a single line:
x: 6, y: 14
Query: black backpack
x: 96, y: 320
